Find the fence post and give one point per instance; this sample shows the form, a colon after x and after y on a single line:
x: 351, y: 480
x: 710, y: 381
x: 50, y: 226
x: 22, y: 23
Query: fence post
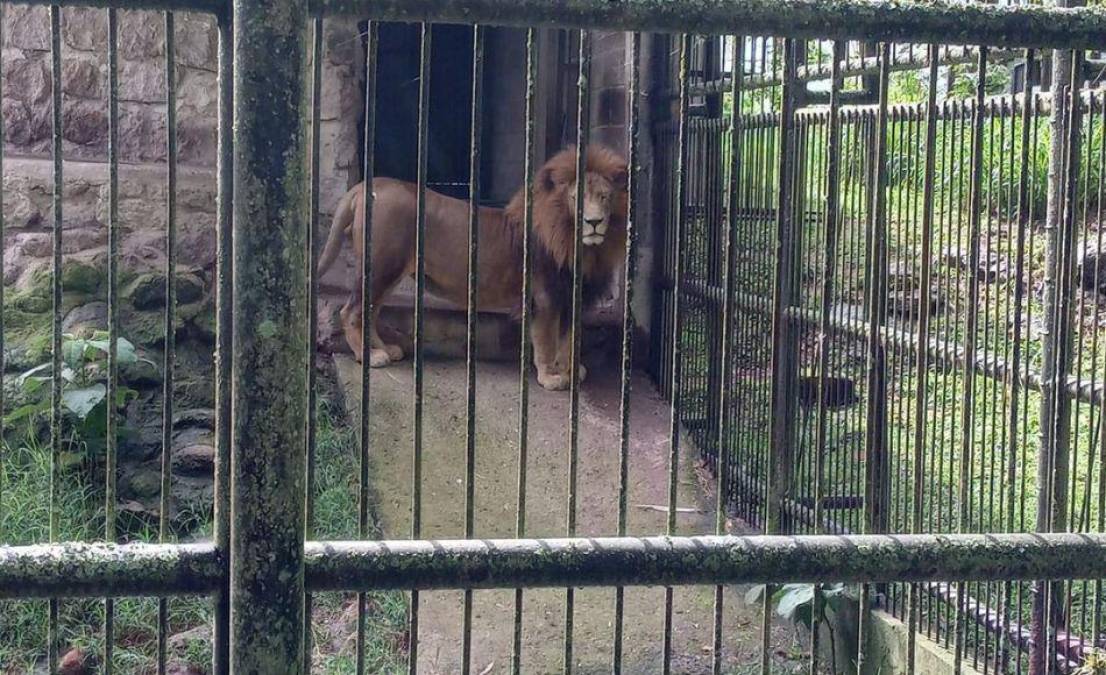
x: 1055, y: 411
x: 268, y: 378
x: 784, y: 334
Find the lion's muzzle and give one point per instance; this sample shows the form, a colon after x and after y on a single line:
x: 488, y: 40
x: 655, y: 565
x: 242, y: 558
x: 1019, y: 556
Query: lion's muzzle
x: 594, y: 232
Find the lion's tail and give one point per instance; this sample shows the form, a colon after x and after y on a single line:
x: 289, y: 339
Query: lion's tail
x: 339, y: 225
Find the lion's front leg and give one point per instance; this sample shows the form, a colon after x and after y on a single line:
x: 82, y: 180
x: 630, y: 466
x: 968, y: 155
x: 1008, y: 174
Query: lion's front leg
x: 545, y: 336
x: 564, y: 355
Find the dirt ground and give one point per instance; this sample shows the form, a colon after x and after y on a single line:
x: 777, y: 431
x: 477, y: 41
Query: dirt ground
x: 496, y: 495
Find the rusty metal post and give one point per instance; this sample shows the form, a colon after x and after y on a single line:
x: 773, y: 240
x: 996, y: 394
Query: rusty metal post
x: 1055, y: 408
x: 268, y: 380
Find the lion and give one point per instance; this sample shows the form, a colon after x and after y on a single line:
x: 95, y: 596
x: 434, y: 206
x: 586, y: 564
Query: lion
x: 500, y: 254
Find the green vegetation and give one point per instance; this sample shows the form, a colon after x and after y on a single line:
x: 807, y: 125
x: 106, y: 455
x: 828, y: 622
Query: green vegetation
x: 24, y: 518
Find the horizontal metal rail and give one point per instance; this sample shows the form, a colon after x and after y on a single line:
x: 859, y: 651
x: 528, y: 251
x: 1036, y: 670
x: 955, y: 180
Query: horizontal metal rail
x: 103, y: 570
x: 943, y: 22
x: 205, y: 6
x: 854, y: 67
x: 75, y: 569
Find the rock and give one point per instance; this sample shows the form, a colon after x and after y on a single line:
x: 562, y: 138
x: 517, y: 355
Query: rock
x: 905, y: 304
x: 143, y: 373
x: 839, y: 392
x: 190, y: 436
x: 27, y: 79
x: 194, y: 417
x: 180, y: 642
x: 85, y: 123
x: 27, y: 27
x: 85, y: 29
x: 142, y: 81
x: 78, y: 276
x: 141, y: 34
x: 141, y: 136
x: 196, y: 243
x: 196, y: 41
x: 75, y: 662
x: 139, y: 483
x: 17, y: 122
x: 145, y: 292
x: 900, y: 277
x: 197, y: 139
x: 81, y: 79
x: 148, y: 290
x: 992, y: 266
x: 1092, y: 271
x: 194, y: 460
x: 86, y: 319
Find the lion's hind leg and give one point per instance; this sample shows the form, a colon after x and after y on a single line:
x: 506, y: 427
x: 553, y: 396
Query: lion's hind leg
x: 351, y: 327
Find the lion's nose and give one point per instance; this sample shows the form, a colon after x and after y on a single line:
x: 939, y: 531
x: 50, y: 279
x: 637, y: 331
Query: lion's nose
x: 594, y: 222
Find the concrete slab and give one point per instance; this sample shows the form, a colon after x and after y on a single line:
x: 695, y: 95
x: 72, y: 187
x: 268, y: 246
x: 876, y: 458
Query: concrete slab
x: 497, y: 448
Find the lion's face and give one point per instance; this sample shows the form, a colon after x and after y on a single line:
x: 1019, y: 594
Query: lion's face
x: 598, y: 195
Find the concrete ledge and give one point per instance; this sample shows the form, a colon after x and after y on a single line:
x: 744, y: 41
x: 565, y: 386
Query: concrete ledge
x: 887, y: 650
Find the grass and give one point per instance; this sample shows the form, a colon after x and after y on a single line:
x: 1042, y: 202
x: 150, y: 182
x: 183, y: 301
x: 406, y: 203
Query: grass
x: 24, y: 519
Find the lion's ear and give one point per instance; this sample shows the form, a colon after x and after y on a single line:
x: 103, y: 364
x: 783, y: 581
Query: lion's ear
x: 620, y: 179
x: 545, y: 179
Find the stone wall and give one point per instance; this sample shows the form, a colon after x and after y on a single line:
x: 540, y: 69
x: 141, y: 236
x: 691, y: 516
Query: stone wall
x: 27, y: 88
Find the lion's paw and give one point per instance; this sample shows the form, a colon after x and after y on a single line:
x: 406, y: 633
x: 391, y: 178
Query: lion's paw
x: 554, y: 381
x: 378, y: 358
x: 395, y: 352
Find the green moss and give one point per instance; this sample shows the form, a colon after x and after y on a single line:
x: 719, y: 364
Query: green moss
x: 78, y: 276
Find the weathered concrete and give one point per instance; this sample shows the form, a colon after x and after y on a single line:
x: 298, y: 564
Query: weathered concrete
x: 496, y: 471
x: 887, y: 651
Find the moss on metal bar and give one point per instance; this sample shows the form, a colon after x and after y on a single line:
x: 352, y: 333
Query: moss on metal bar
x: 208, y: 6
x: 107, y: 570
x: 268, y: 377
x: 672, y: 561
x: 939, y: 21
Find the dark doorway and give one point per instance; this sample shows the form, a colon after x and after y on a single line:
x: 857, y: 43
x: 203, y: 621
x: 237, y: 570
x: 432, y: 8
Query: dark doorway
x: 397, y: 105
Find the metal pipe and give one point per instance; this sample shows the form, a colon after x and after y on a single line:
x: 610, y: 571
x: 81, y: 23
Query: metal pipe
x: 98, y: 570
x: 224, y: 320
x: 217, y: 7
x: 76, y: 569
x: 673, y: 561
x: 940, y: 21
x: 268, y: 383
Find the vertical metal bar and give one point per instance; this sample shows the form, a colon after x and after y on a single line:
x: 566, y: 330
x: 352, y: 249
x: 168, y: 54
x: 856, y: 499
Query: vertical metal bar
x: 781, y: 364
x: 524, y: 349
x: 111, y: 453
x: 312, y: 315
x: 967, y: 439
x: 921, y: 367
x: 170, y: 318
x: 725, y: 362
x: 680, y: 237
x: 1020, y: 283
x: 583, y: 98
x: 628, y: 323
x: 2, y: 360
x: 875, y: 460
x: 470, y: 338
x: 56, y: 361
x: 224, y: 315
x: 267, y: 378
x: 1061, y: 423
x: 420, y: 286
x: 365, y: 265
x: 833, y: 192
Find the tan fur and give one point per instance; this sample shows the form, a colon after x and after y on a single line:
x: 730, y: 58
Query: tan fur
x: 499, y: 266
